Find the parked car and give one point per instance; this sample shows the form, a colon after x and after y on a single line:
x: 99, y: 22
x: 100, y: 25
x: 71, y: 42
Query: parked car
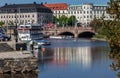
x: 4, y: 37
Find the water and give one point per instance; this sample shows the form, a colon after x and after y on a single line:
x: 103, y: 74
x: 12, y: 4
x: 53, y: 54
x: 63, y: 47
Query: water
x: 76, y: 58
x: 73, y: 58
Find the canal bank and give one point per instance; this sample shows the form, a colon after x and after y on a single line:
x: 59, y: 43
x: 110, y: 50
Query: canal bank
x: 16, y: 61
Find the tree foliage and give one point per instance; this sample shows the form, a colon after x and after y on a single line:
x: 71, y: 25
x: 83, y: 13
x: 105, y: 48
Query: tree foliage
x: 55, y: 19
x: 96, y: 24
x: 114, y: 8
x: 11, y: 23
x: 72, y: 20
x: 1, y: 23
x: 63, y: 20
x: 111, y: 29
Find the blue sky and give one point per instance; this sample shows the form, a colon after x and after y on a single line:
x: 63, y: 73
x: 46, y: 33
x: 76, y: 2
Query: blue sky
x: 2, y: 2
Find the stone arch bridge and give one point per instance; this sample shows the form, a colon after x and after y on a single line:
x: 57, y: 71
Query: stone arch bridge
x: 76, y: 32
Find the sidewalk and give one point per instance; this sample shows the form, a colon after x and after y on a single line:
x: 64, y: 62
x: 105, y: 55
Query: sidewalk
x: 15, y: 54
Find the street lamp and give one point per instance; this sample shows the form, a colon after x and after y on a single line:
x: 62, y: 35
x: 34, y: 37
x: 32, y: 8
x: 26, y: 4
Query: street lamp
x: 15, y: 29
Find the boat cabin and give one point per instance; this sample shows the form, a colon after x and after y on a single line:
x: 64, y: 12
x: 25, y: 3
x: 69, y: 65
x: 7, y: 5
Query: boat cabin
x: 29, y: 32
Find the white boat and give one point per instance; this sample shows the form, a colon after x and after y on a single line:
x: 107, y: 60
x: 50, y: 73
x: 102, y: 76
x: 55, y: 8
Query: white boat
x: 61, y: 37
x: 29, y: 32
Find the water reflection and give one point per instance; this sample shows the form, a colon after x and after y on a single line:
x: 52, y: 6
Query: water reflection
x: 19, y: 75
x: 85, y: 57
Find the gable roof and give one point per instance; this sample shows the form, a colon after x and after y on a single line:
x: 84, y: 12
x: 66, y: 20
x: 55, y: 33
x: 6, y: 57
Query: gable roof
x: 57, y: 6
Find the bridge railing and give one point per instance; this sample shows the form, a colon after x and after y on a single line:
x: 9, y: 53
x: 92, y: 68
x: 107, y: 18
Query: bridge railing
x: 68, y: 28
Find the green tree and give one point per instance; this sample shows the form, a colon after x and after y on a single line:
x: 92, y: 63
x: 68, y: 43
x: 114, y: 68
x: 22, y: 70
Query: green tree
x: 55, y: 19
x: 114, y: 8
x: 1, y: 23
x: 96, y: 24
x: 63, y: 20
x: 11, y: 23
x: 111, y: 29
x: 72, y: 21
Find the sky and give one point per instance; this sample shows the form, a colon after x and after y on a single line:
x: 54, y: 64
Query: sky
x: 2, y: 2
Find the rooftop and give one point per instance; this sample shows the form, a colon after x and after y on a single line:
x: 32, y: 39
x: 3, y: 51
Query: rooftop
x: 57, y: 6
x: 33, y: 7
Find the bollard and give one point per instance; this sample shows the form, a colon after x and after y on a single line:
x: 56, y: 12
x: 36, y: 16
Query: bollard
x: 21, y: 49
x: 0, y: 40
x: 6, y: 39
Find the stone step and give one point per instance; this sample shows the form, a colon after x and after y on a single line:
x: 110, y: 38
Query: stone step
x: 4, y: 47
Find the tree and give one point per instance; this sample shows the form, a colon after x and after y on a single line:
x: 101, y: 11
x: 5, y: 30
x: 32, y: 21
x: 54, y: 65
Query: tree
x: 63, y: 20
x: 96, y: 24
x: 114, y: 8
x: 111, y: 29
x: 1, y: 23
x: 55, y: 19
x: 11, y: 23
x: 72, y: 21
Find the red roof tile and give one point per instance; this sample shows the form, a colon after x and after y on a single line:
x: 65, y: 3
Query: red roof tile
x: 57, y: 6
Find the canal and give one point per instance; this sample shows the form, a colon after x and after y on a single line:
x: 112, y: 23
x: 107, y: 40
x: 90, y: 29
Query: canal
x: 73, y: 58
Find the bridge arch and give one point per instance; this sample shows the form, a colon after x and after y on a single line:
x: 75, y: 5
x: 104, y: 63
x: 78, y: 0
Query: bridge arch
x: 66, y: 33
x: 86, y: 34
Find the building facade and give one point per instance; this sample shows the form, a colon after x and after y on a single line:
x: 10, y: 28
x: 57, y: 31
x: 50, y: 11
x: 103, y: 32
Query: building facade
x: 85, y: 13
x: 25, y: 13
x: 58, y: 9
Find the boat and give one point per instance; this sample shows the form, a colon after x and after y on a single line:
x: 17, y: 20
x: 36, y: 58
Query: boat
x: 61, y: 37
x: 56, y: 37
x: 29, y: 32
x: 42, y: 42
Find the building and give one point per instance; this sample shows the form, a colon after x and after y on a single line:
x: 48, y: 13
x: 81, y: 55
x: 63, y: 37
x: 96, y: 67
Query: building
x: 58, y: 9
x: 85, y: 13
x: 25, y: 13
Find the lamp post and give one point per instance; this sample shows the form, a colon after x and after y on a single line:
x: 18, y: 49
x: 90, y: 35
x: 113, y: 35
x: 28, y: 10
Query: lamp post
x: 15, y: 30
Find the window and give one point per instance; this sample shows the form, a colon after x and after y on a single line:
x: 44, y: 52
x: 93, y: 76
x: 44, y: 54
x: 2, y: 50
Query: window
x: 25, y: 21
x: 63, y: 12
x: 25, y: 16
x: 84, y: 12
x: 28, y: 16
x: 87, y: 16
x: 84, y: 17
x: 87, y: 12
x: 9, y: 16
x: 84, y: 7
x: 68, y: 12
x: 74, y: 12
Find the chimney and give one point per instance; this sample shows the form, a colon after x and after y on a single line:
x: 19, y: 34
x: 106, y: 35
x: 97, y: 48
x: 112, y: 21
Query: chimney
x: 6, y: 4
x: 41, y: 3
x: 34, y: 2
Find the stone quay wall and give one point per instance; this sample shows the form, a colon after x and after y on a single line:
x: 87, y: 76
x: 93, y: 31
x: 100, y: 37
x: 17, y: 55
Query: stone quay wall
x: 14, y: 65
